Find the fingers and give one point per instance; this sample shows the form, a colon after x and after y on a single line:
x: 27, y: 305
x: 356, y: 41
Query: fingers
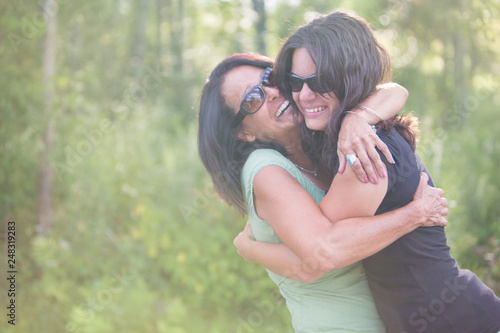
x: 443, y: 222
x: 364, y: 166
x: 245, y: 234
x: 342, y: 161
x: 361, y: 167
x: 236, y: 240
x: 367, y: 148
x: 424, y: 178
x: 384, y: 149
x: 444, y: 211
x: 440, y: 222
x: 367, y: 163
x: 248, y: 231
x: 369, y: 158
x: 422, y: 186
x: 376, y: 161
x: 358, y: 138
x: 434, y: 200
x: 438, y: 217
x: 437, y: 220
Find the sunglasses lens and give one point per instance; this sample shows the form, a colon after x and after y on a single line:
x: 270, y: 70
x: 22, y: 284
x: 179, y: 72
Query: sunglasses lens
x: 253, y: 100
x: 295, y: 83
x: 313, y: 84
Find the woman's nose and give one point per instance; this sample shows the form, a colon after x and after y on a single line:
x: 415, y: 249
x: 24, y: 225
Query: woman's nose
x: 271, y: 92
x: 306, y: 93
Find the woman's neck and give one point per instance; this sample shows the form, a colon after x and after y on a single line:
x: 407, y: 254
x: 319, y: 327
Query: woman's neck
x: 298, y: 156
x: 315, y: 171
x: 292, y: 142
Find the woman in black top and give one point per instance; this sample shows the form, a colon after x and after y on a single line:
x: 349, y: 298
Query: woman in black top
x: 416, y: 283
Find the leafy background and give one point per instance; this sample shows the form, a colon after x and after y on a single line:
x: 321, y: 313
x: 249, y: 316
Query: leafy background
x: 117, y: 225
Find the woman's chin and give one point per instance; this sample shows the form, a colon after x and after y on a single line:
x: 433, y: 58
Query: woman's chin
x: 315, y: 124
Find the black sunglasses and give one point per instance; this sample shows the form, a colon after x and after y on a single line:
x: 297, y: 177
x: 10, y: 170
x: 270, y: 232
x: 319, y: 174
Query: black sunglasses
x: 255, y: 98
x: 295, y: 83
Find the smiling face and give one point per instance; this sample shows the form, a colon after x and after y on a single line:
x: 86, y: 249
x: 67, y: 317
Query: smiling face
x: 273, y: 121
x: 315, y: 108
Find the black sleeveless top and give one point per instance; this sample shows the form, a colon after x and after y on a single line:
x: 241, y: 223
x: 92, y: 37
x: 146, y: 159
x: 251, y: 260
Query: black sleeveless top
x: 416, y: 283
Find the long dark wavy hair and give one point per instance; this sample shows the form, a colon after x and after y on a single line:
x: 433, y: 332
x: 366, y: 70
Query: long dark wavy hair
x: 221, y: 152
x: 350, y: 63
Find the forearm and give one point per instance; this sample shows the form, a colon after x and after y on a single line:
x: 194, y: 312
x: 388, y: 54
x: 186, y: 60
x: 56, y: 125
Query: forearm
x: 280, y: 259
x: 387, y: 102
x: 353, y: 239
x: 346, y: 242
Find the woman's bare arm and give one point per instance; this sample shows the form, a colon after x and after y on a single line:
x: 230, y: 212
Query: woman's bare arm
x: 314, y: 244
x: 278, y: 258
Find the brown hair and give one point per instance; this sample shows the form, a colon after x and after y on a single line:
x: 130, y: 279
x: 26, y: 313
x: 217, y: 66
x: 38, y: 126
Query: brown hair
x: 222, y: 154
x: 349, y: 62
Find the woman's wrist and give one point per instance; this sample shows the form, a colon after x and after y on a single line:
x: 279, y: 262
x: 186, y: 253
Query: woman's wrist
x: 416, y: 214
x: 371, y: 118
x: 246, y: 250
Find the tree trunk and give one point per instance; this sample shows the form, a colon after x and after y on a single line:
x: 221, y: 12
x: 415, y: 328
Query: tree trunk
x: 159, y: 19
x: 179, y: 82
x: 459, y: 55
x: 45, y: 176
x: 139, y: 42
x: 175, y: 16
x: 258, y: 6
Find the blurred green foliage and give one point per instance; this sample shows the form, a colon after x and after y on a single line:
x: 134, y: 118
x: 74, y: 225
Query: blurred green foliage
x: 139, y: 242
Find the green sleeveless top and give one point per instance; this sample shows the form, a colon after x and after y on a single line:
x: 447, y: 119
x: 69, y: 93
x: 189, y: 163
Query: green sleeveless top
x: 339, y: 301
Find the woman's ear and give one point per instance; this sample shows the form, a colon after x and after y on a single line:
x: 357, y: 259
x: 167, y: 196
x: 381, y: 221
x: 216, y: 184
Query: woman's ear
x: 245, y: 136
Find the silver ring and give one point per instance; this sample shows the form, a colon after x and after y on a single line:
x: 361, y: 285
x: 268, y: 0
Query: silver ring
x: 351, y: 159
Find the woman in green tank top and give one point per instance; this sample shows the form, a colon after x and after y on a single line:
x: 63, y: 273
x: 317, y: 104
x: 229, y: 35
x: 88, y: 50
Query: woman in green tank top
x: 250, y: 144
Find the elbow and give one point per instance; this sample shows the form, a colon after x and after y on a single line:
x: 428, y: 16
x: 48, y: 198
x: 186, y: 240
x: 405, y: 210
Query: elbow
x: 320, y: 265
x: 398, y: 93
x: 328, y: 265
x: 404, y: 94
x: 311, y: 273
x: 336, y: 262
x: 326, y: 256
x: 309, y: 277
x: 314, y: 267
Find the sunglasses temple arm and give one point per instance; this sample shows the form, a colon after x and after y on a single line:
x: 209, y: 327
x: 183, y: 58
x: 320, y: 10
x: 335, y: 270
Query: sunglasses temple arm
x: 237, y: 120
